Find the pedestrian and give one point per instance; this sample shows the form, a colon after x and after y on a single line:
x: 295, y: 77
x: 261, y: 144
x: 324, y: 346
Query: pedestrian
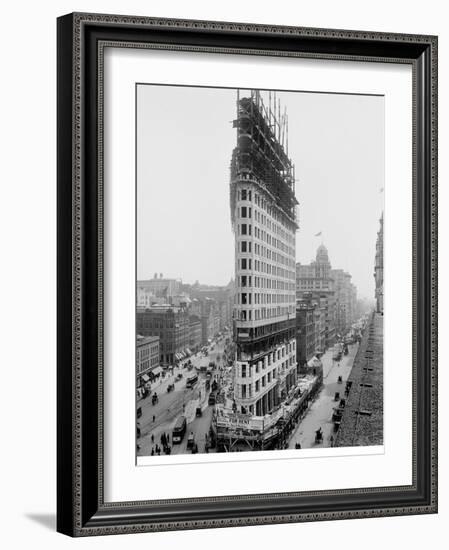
x: 152, y: 451
x: 152, y: 438
x: 168, y: 438
x: 154, y: 418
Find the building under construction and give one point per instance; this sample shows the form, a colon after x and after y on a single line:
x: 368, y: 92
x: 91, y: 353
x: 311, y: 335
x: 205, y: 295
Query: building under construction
x: 263, y: 213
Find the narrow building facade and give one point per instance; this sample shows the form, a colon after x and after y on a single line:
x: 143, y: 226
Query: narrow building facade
x: 263, y: 213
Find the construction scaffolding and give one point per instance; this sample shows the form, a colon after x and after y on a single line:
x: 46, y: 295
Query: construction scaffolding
x: 261, y: 154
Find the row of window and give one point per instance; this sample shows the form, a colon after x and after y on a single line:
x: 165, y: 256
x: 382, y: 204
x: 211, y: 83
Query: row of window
x: 247, y: 298
x: 263, y: 282
x: 263, y: 313
x: 246, y: 212
x: 245, y: 246
x: 268, y: 360
x: 246, y: 389
x: 144, y: 322
x: 264, y: 267
x: 266, y: 206
x: 262, y: 235
x: 144, y: 352
x: 260, y: 250
x: 312, y: 284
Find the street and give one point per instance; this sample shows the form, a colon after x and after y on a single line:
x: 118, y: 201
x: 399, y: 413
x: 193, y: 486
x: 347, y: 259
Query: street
x: 180, y: 401
x: 320, y: 411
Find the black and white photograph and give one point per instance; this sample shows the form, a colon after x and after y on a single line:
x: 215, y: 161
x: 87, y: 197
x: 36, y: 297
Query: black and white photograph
x: 247, y: 277
x: 259, y: 292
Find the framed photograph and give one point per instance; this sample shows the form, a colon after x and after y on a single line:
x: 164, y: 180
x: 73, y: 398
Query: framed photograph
x: 247, y: 274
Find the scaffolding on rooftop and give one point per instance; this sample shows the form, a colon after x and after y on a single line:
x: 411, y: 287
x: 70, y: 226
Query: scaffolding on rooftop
x: 261, y: 154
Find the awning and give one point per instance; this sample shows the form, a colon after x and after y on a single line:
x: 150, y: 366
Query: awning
x: 145, y: 378
x: 188, y: 351
x: 314, y: 362
x: 178, y: 356
x: 157, y: 371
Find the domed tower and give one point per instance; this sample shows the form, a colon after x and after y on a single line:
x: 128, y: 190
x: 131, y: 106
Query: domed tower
x: 322, y: 263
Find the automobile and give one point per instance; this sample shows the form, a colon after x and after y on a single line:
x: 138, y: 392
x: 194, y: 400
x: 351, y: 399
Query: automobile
x: 191, y: 441
x: 198, y: 412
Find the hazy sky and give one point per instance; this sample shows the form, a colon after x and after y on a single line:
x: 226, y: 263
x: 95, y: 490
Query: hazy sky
x: 184, y: 145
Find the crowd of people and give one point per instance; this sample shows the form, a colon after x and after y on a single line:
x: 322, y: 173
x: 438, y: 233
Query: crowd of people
x: 164, y: 447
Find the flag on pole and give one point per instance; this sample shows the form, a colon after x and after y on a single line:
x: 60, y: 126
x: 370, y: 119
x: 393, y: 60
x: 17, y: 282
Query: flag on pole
x: 318, y: 234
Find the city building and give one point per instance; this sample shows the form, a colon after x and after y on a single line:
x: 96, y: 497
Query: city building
x: 315, y: 279
x: 311, y: 329
x: 195, y: 333
x: 145, y: 298
x: 147, y: 358
x: 379, y: 267
x: 157, y: 290
x: 171, y: 324
x: 223, y: 297
x: 263, y: 214
x: 305, y: 332
x: 345, y: 298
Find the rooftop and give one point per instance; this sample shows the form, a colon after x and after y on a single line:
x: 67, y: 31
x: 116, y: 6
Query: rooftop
x: 144, y: 340
x: 362, y: 422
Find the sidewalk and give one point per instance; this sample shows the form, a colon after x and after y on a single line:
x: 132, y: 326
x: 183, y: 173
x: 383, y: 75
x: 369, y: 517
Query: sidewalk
x: 320, y: 411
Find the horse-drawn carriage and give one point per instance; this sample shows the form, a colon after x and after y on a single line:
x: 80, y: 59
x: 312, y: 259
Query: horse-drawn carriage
x: 337, y: 415
x: 348, y: 387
